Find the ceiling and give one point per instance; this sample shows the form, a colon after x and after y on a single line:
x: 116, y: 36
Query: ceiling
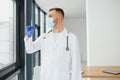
x: 72, y: 8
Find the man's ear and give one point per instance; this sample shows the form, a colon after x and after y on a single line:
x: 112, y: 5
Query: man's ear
x: 59, y: 18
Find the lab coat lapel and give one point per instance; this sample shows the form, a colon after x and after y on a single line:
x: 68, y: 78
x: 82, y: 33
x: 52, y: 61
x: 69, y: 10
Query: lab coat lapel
x: 53, y: 40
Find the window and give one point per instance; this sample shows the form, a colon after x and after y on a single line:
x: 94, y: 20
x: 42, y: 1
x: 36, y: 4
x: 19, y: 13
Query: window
x: 42, y: 22
x: 36, y: 20
x: 47, y: 28
x: 11, y: 39
x: 14, y: 78
x: 36, y: 33
x: 7, y: 32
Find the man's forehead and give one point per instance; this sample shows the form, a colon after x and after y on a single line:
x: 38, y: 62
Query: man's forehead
x: 52, y: 12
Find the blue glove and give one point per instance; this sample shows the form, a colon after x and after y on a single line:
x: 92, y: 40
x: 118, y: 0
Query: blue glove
x: 29, y: 30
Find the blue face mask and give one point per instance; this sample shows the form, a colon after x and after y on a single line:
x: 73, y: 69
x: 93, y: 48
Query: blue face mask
x: 50, y: 22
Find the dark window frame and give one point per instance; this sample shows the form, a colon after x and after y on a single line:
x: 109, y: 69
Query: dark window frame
x: 15, y: 68
x: 30, y: 58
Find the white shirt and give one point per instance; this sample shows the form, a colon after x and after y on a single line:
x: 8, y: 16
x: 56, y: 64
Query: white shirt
x: 57, y: 35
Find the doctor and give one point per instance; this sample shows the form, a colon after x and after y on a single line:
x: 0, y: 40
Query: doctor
x: 60, y: 55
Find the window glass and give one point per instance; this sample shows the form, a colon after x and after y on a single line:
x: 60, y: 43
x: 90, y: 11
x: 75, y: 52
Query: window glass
x: 47, y: 28
x: 36, y: 33
x: 41, y: 22
x: 7, y: 32
x: 36, y: 21
x: 15, y: 77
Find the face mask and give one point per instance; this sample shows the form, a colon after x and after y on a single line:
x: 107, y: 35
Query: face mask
x: 50, y: 22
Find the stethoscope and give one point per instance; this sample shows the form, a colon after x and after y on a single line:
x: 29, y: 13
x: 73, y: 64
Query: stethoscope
x: 67, y: 48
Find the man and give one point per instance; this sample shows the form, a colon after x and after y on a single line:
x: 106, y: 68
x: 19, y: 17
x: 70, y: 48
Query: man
x: 59, y: 49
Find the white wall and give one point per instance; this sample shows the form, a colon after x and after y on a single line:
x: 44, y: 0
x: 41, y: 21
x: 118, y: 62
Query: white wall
x: 103, y: 32
x: 78, y: 27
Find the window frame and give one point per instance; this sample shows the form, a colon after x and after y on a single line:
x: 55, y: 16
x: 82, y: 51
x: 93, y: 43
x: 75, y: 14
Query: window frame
x: 30, y: 58
x: 15, y: 68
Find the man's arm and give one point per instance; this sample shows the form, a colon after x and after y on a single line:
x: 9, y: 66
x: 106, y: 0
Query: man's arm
x: 32, y: 46
x: 76, y: 61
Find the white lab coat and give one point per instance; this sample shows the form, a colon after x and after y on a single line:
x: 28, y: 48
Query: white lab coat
x: 56, y: 62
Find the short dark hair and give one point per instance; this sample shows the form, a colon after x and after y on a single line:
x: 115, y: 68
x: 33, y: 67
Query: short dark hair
x: 58, y: 10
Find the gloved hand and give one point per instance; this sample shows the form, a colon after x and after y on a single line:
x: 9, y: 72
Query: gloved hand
x: 29, y: 30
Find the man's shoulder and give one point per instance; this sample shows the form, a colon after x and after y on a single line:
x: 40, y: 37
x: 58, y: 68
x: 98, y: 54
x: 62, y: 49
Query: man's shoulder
x: 72, y: 35
x: 72, y: 38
